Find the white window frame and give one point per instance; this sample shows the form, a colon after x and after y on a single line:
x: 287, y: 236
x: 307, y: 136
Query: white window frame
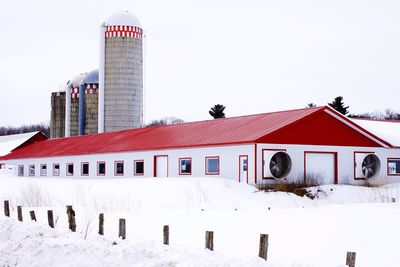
x: 88, y: 168
x: 135, y: 172
x: 390, y: 167
x: 184, y: 171
x: 43, y: 172
x: 116, y: 169
x: 67, y: 169
x: 56, y: 172
x: 207, y: 171
x: 32, y: 170
x: 21, y: 170
x: 98, y: 168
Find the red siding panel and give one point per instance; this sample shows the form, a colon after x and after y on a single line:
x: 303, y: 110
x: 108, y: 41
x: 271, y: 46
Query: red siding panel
x: 319, y: 129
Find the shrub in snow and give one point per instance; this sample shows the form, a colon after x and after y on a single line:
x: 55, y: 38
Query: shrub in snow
x: 32, y: 195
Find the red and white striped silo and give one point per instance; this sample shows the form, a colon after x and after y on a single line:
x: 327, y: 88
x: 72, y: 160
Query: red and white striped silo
x: 120, y: 73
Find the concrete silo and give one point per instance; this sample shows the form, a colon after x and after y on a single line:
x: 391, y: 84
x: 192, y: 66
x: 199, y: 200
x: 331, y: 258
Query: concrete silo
x: 120, y: 73
x: 74, y: 110
x: 65, y: 109
x: 108, y: 99
x: 72, y: 103
x: 91, y: 84
x: 57, y: 115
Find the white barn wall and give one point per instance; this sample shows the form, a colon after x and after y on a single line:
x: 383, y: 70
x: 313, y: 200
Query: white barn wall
x: 229, y: 162
x: 345, y: 162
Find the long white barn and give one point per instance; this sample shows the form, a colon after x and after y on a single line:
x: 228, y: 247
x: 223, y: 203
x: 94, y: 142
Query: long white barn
x: 296, y: 145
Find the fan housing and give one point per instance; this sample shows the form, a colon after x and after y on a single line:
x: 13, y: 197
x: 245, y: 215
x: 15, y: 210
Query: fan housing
x: 370, y: 166
x: 280, y: 165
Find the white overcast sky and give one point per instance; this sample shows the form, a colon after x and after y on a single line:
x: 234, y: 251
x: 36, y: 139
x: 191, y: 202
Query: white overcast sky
x: 252, y: 56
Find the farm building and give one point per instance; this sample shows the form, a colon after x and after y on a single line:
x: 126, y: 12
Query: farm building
x: 311, y: 144
x: 10, y: 142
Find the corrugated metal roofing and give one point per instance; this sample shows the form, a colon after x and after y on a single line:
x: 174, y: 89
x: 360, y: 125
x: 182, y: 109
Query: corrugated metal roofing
x: 237, y: 130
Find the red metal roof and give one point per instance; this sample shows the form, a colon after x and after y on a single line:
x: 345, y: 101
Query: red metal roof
x: 236, y: 130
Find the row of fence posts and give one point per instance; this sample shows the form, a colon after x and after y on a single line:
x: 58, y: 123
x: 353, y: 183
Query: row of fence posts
x: 209, y: 238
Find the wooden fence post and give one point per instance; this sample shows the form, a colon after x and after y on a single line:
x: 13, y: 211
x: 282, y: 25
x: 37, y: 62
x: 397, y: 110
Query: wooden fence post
x: 263, y: 249
x: 166, y: 234
x: 7, y: 208
x: 33, y: 216
x: 101, y: 224
x: 210, y: 240
x: 122, y: 229
x: 71, y: 218
x: 19, y: 210
x: 50, y: 218
x: 351, y: 259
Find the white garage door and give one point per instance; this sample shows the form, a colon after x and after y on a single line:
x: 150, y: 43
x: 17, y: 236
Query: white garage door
x: 320, y: 167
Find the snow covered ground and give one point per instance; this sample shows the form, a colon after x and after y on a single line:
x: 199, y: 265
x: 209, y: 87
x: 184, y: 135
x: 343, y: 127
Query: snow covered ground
x: 302, y: 232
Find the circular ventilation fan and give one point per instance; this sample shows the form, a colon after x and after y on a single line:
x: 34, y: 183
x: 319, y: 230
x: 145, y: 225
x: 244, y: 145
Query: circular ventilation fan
x: 280, y: 165
x: 370, y: 166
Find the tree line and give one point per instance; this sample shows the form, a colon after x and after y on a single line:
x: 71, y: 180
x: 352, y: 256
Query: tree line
x: 338, y: 105
x: 9, y: 130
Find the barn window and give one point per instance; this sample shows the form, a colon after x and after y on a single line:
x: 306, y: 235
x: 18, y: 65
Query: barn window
x: 244, y: 166
x: 138, y: 167
x: 43, y: 169
x: 101, y: 168
x: 185, y: 166
x: 119, y: 168
x: 212, y: 165
x: 85, y: 168
x: 32, y: 170
x: 20, y: 170
x: 70, y: 169
x: 393, y: 166
x: 56, y: 169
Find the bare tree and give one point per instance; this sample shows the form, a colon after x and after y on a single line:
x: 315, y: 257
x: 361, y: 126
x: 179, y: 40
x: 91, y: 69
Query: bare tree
x: 165, y: 121
x: 388, y: 114
x: 42, y: 127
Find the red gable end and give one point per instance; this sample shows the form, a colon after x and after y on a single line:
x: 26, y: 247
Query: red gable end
x: 319, y: 128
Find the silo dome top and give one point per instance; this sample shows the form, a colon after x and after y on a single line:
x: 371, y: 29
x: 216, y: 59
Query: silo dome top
x: 92, y: 77
x: 123, y: 18
x: 76, y: 81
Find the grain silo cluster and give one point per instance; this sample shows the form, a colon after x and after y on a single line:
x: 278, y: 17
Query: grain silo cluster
x: 110, y: 98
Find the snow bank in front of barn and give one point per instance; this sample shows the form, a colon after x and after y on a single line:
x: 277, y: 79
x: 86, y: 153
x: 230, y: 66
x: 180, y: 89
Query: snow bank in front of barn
x: 141, y: 194
x: 303, y: 232
x: 190, y: 194
x: 32, y: 244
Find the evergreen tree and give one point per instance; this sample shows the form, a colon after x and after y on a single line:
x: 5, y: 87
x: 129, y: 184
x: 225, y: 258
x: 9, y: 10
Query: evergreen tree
x: 217, y: 111
x: 338, y: 105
